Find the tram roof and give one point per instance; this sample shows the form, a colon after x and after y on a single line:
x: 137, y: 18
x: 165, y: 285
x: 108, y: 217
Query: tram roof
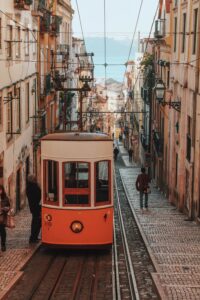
x: 76, y: 136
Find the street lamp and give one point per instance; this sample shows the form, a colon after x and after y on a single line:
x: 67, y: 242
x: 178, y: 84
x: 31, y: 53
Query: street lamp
x: 160, y: 93
x: 160, y: 90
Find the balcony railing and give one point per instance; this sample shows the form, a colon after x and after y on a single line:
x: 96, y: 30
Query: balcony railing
x: 159, y: 29
x: 22, y: 4
x: 158, y: 143
x: 63, y: 48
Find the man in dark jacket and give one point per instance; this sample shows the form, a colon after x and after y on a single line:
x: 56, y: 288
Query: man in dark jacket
x: 142, y: 184
x: 33, y: 193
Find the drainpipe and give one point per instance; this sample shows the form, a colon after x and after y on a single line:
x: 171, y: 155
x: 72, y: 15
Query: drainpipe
x: 194, y: 133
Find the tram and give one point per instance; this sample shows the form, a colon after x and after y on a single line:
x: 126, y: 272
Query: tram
x: 77, y: 190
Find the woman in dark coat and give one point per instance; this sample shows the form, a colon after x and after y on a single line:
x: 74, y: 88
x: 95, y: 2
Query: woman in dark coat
x: 33, y: 193
x: 4, y: 208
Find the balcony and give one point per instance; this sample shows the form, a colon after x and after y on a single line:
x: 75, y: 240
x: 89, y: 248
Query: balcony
x: 63, y: 49
x: 158, y: 143
x: 55, y: 25
x: 146, y: 94
x: 159, y: 29
x: 45, y: 22
x: 38, y: 8
x: 144, y: 141
x: 22, y: 4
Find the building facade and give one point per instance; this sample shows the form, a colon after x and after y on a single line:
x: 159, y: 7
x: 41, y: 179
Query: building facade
x: 18, y: 96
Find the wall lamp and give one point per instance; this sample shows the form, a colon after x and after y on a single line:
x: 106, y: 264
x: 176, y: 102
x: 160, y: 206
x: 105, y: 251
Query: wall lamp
x: 160, y: 93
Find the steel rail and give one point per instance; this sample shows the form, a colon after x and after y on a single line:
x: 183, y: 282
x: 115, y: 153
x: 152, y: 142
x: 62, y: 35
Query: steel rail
x: 132, y: 278
x: 116, y: 280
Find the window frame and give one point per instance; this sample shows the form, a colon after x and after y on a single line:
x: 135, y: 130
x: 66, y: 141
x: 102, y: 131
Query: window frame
x: 175, y: 33
x: 9, y: 117
x: 18, y: 43
x: 1, y: 112
x: 27, y: 103
x: 79, y: 191
x: 44, y: 201
x: 195, y: 29
x: 103, y: 203
x: 184, y: 24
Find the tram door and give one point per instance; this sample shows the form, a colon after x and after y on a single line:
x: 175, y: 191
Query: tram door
x: 18, y: 189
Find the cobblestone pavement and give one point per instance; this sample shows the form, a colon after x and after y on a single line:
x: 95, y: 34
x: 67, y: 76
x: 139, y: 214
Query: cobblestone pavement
x: 18, y: 251
x: 174, y: 243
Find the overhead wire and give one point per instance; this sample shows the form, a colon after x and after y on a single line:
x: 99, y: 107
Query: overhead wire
x: 133, y: 37
x: 105, y: 43
x: 148, y: 39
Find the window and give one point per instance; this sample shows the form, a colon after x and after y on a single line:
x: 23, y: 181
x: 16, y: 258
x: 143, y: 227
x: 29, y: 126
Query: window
x: 176, y: 178
x: 76, y: 183
x: 51, y: 182
x: 102, y: 181
x: 175, y: 33
x: 18, y: 110
x: 1, y: 113
x: 9, y: 41
x: 189, y: 139
x: 18, y: 37
x: 184, y: 33
x: 27, y: 103
x: 0, y: 33
x: 9, y: 116
x: 195, y: 31
x: 27, y: 42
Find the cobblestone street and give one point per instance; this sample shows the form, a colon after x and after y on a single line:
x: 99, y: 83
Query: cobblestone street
x: 18, y: 251
x: 173, y: 243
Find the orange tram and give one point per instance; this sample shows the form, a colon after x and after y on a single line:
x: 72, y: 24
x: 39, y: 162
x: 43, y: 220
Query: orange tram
x: 77, y: 190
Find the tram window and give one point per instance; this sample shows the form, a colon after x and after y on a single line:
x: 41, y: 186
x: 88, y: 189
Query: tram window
x: 102, y: 169
x: 51, y: 181
x: 76, y: 183
x: 76, y: 175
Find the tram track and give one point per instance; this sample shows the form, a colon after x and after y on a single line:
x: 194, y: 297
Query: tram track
x: 74, y: 275
x: 130, y: 251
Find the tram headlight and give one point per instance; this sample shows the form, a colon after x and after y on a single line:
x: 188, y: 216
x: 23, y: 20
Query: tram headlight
x: 76, y: 226
x: 48, y: 217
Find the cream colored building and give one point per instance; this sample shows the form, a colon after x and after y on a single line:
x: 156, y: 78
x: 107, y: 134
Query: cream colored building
x: 18, y: 96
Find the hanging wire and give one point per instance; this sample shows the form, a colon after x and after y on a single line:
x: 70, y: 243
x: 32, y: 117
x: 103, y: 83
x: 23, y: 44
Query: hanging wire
x: 133, y: 37
x: 148, y: 39
x: 105, y: 45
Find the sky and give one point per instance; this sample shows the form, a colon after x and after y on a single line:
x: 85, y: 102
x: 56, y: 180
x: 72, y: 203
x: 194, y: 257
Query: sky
x: 121, y: 17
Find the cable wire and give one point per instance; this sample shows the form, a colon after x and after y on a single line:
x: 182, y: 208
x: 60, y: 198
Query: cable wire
x: 105, y: 43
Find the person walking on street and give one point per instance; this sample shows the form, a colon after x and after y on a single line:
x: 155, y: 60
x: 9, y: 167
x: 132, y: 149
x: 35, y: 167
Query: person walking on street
x: 33, y: 193
x: 4, y: 208
x: 142, y: 185
x: 130, y: 154
x: 116, y: 151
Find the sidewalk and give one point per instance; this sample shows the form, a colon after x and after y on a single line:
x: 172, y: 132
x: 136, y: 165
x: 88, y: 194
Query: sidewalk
x: 173, y: 243
x: 18, y: 251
